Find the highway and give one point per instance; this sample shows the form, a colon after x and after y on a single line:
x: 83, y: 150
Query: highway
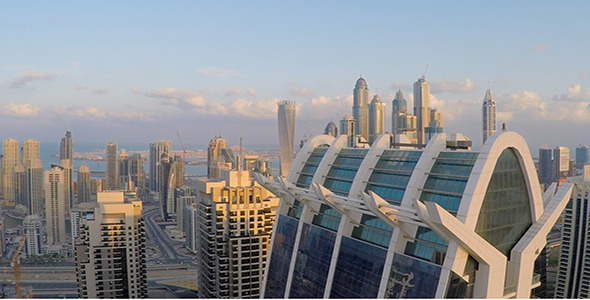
x: 158, y: 237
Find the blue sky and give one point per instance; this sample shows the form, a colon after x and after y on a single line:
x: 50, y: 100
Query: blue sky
x: 133, y: 72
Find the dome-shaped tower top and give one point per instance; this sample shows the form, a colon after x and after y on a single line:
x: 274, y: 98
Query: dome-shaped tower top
x: 376, y: 99
x: 361, y: 83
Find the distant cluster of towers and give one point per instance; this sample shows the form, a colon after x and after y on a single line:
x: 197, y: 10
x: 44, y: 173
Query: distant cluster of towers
x: 368, y: 119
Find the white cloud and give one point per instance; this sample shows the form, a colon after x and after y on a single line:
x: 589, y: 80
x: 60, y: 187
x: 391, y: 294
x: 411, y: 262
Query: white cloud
x: 326, y: 108
x: 300, y: 92
x: 464, y: 85
x: 91, y: 113
x: 31, y: 76
x: 262, y: 109
x: 251, y: 91
x: 217, y: 72
x: 584, y: 75
x: 232, y: 92
x: 539, y: 48
x: 19, y: 110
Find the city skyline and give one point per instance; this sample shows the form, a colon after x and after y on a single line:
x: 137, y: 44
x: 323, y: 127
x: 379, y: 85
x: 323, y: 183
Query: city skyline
x: 107, y: 73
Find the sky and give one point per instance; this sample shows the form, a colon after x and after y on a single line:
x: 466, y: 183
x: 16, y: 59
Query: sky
x: 134, y: 72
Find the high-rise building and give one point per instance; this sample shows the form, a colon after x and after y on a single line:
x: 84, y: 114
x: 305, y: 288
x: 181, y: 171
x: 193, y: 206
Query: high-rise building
x: 192, y: 230
x: 434, y: 222
x: 348, y: 128
x: 331, y: 129
x: 135, y: 166
x: 545, y: 167
x: 215, y: 156
x: 184, y: 198
x: 110, y: 250
x: 33, y: 173
x: 376, y: 118
x: 422, y: 108
x: 573, y: 276
x: 582, y: 156
x: 111, y: 167
x: 158, y: 150
x: 561, y: 162
x: 34, y: 181
x: 172, y: 177
x: 360, y: 110
x: 20, y: 186
x: 66, y: 160
x: 488, y: 116
x: 234, y: 222
x: 55, y: 205
x: 66, y: 147
x: 435, y: 125
x: 84, y: 184
x: 402, y: 122
x: 33, y: 224
x: 286, y: 117
x: 9, y: 162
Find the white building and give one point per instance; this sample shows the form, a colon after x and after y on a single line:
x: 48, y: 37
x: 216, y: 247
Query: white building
x: 286, y: 118
x: 55, y: 205
x: 110, y: 249
x: 376, y: 118
x: 443, y: 221
x: 488, y: 116
x: 360, y: 109
x: 33, y: 225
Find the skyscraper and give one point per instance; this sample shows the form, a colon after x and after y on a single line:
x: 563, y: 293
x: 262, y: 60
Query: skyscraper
x: 55, y: 207
x: 422, y: 108
x: 488, y: 116
x: 29, y: 152
x: 360, y: 111
x: 430, y: 222
x: 35, y: 180
x: 66, y: 160
x: 218, y: 157
x: 84, y: 184
x: 402, y: 122
x: 157, y: 150
x: 582, y: 156
x: 348, y: 128
x: 573, y: 276
x: 9, y: 162
x: 234, y: 222
x: 172, y: 177
x: 286, y: 117
x: 111, y: 166
x: 376, y: 118
x: 561, y: 161
x: 435, y: 125
x: 110, y: 249
x: 545, y: 167
x: 331, y: 129
x: 66, y: 147
x: 33, y: 224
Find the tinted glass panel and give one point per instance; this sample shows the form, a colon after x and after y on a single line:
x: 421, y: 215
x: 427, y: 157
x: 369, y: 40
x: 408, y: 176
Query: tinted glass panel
x: 313, y: 262
x: 392, y: 173
x: 505, y: 213
x: 343, y: 170
x: 280, y: 260
x: 358, y: 270
x: 373, y: 230
x: 327, y: 218
x: 412, y: 278
x: 310, y: 167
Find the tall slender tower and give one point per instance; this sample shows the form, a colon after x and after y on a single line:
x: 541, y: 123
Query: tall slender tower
x: 55, y: 199
x: 376, y: 118
x: 83, y: 184
x: 421, y: 108
x: 35, y: 196
x: 110, y: 249
x: 66, y: 160
x: 157, y: 149
x: 348, y: 127
x: 9, y: 162
x: 286, y: 116
x: 111, y: 174
x: 399, y: 107
x: 360, y: 111
x: 489, y: 116
x: 66, y: 147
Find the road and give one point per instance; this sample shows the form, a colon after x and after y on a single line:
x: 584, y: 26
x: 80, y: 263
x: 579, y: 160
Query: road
x: 162, y: 241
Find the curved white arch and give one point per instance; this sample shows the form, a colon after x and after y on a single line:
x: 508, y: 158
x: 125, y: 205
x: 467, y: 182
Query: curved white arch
x: 303, y: 155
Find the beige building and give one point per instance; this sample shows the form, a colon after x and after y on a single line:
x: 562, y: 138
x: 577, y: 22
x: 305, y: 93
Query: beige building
x: 84, y: 184
x: 234, y: 219
x: 110, y: 249
x: 55, y: 207
x: 376, y: 118
x: 111, y: 164
x: 9, y: 162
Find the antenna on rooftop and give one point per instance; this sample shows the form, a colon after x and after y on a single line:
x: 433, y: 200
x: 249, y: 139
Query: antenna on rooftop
x: 425, y: 70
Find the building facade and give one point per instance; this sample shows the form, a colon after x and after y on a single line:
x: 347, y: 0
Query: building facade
x: 157, y: 150
x: 110, y: 249
x: 9, y: 163
x: 33, y: 227
x: 442, y: 221
x: 488, y: 116
x: 582, y: 156
x: 55, y: 205
x: 376, y: 118
x: 111, y: 166
x: 422, y: 108
x: 360, y: 109
x: 234, y: 221
x: 286, y: 117
x: 84, y: 185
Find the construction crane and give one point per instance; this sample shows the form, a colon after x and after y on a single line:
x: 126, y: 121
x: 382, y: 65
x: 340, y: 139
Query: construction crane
x: 16, y: 267
x: 183, y: 148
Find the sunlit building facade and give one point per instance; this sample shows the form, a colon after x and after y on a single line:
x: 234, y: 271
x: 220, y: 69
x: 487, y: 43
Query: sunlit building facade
x: 435, y: 222
x: 286, y: 118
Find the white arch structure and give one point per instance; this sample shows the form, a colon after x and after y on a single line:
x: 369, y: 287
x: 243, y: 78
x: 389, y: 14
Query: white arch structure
x: 498, y: 276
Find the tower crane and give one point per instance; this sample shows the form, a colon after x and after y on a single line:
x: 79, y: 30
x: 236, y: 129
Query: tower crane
x: 183, y: 148
x: 16, y: 267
